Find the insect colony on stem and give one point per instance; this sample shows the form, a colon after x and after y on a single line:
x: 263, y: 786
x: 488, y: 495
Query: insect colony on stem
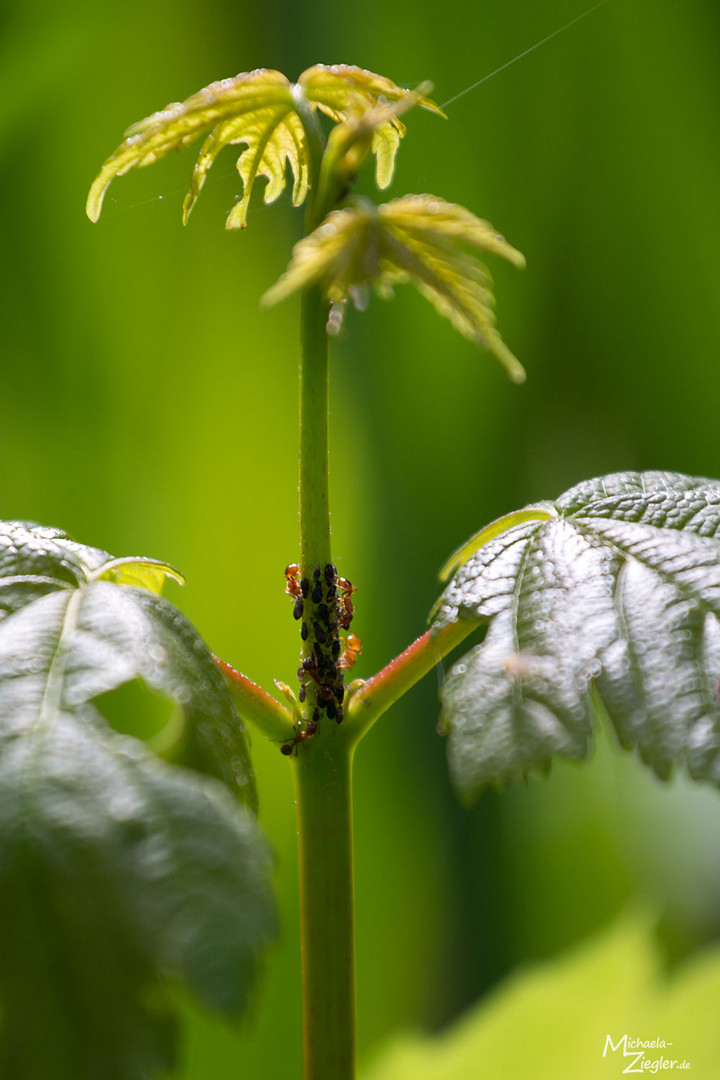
x: 325, y: 605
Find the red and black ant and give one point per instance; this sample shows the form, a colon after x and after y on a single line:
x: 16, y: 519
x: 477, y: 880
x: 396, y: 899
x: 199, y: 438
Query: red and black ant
x: 301, y: 735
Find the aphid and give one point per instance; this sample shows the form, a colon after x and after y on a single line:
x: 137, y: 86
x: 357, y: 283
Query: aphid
x: 330, y: 574
x: 292, y: 587
x: 304, y: 631
x: 312, y: 667
x: 331, y: 710
x: 336, y: 648
x: 331, y: 594
x: 324, y: 613
x: 301, y: 734
x: 353, y: 648
x: 319, y: 632
x: 317, y: 593
x: 339, y: 715
x: 302, y: 693
x: 304, y: 586
x: 298, y: 609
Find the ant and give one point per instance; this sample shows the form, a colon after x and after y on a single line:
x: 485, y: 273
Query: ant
x: 311, y: 666
x: 298, y: 589
x: 353, y: 648
x: 345, y: 604
x: 301, y: 734
x: 293, y: 587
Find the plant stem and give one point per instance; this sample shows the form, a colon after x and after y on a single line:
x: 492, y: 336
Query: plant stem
x: 323, y: 774
x: 314, y: 497
x: 324, y: 762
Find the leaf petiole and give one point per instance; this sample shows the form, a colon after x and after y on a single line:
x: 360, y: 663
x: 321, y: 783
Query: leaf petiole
x: 373, y: 698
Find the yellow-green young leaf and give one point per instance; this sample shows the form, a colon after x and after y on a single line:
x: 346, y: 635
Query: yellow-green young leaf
x: 274, y: 137
x: 260, y: 110
x: 553, y: 1021
x: 256, y: 108
x: 418, y: 238
x: 376, y: 131
x: 138, y: 571
x: 542, y: 512
x: 345, y: 92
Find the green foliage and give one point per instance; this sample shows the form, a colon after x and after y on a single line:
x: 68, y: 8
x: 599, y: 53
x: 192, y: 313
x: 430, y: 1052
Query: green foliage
x: 263, y: 110
x: 418, y: 238
x: 115, y: 868
x: 618, y: 590
x: 553, y: 1021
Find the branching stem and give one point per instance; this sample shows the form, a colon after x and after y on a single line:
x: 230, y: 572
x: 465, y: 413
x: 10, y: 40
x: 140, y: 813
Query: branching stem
x: 375, y: 696
x: 257, y: 706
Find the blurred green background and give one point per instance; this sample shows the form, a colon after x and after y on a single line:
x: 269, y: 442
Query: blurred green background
x: 148, y: 406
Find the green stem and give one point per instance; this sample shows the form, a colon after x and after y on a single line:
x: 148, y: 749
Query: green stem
x: 323, y: 762
x: 314, y: 496
x: 323, y: 775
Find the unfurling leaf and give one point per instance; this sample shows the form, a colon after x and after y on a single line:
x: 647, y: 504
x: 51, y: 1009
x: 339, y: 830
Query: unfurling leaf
x: 116, y: 869
x: 262, y: 110
x: 418, y: 238
x: 376, y: 131
x: 617, y: 594
x: 347, y: 93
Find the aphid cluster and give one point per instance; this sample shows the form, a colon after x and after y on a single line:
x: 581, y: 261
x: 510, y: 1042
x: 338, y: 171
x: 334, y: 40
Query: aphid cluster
x: 323, y: 605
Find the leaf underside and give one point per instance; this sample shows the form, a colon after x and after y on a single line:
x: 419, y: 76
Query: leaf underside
x: 617, y: 594
x: 117, y: 870
x: 417, y: 238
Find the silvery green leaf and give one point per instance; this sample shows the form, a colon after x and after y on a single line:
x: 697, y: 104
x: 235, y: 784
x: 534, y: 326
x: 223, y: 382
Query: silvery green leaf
x: 117, y: 870
x: 614, y: 590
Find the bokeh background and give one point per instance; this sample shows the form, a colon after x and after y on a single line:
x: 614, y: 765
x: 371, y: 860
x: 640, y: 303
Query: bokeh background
x: 149, y: 407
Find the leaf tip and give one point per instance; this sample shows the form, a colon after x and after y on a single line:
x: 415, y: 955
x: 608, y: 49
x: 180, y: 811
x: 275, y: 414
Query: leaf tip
x: 518, y: 374
x: 93, y: 206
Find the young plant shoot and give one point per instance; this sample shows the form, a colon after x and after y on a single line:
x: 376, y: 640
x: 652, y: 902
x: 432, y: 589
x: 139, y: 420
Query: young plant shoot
x: 610, y: 591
